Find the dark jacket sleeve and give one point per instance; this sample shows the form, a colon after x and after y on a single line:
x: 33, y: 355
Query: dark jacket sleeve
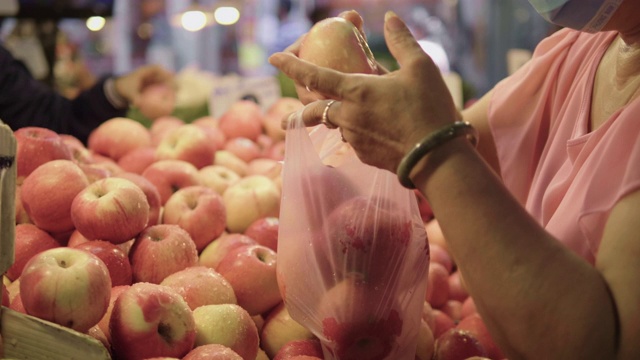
x: 24, y: 101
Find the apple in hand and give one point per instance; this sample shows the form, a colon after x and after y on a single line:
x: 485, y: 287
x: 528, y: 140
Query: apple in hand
x: 188, y: 143
x: 150, y: 320
x: 112, y: 209
x: 116, y: 137
x: 113, y: 257
x: 229, y: 325
x: 265, y: 231
x: 200, y: 211
x: 160, y: 251
x: 249, y: 199
x: 280, y: 329
x: 212, y: 352
x: 156, y: 100
x: 36, y: 146
x: 170, y: 175
x: 29, y: 241
x: 66, y: 286
x: 251, y: 271
x: 218, y: 248
x: 48, y: 192
x: 200, y: 285
x: 243, y: 118
x: 306, y: 347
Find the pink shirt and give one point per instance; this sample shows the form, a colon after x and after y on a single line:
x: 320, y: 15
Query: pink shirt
x: 568, y: 178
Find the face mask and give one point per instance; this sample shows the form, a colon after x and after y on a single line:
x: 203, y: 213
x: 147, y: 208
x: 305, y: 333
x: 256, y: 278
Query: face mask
x: 585, y: 15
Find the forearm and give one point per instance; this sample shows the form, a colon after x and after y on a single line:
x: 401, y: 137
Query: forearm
x: 538, y: 298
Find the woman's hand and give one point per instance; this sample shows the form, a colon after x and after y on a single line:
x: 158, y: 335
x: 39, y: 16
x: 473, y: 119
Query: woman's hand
x: 381, y: 116
x: 130, y: 86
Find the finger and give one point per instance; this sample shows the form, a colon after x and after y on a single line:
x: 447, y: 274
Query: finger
x: 401, y: 43
x: 327, y: 82
x: 312, y: 114
x: 355, y: 19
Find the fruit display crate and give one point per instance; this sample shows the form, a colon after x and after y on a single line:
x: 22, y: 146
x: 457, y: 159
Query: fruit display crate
x: 24, y: 336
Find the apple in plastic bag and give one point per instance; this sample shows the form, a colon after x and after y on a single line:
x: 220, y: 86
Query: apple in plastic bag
x: 337, y: 43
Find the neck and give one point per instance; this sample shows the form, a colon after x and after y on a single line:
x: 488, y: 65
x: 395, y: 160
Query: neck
x: 627, y: 62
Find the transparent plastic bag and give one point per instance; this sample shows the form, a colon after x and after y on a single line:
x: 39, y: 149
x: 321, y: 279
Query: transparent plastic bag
x: 352, y: 250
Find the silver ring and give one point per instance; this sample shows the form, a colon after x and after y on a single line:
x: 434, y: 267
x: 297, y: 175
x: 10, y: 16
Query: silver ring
x: 307, y: 87
x: 325, y: 116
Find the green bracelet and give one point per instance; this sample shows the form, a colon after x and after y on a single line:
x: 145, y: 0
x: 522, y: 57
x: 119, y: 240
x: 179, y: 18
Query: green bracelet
x: 432, y: 141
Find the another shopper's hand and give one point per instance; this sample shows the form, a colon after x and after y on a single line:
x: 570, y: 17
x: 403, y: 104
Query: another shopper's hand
x: 382, y: 117
x: 131, y: 85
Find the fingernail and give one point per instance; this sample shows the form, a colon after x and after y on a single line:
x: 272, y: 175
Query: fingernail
x: 392, y: 21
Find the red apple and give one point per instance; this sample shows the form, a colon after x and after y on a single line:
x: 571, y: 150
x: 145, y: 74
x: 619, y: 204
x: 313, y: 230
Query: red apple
x: 36, y: 146
x: 231, y: 161
x: 229, y: 325
x: 200, y: 211
x: 457, y: 289
x: 468, y: 307
x: 163, y: 126
x: 150, y: 320
x: 212, y: 352
x: 150, y: 191
x: 113, y: 257
x: 29, y: 241
x: 48, y: 192
x: 453, y: 308
x: 217, y: 177
x: 112, y: 209
x: 457, y: 344
x: 476, y: 327
x: 170, y: 175
x: 106, y: 163
x: 200, y: 285
x: 272, y: 122
x: 439, y: 255
x: 79, y: 152
x: 243, y: 118
x: 265, y: 231
x: 157, y: 100
x: 188, y: 143
x: 116, y: 137
x: 251, y: 271
x: 245, y: 149
x: 94, y: 172
x: 103, y: 324
x: 210, y: 125
x: 280, y: 329
x: 308, y: 347
x: 66, y: 286
x: 249, y: 199
x: 276, y: 151
x: 218, y: 248
x: 136, y: 160
x: 264, y: 166
x: 437, y: 285
x: 442, y: 323
x: 161, y: 250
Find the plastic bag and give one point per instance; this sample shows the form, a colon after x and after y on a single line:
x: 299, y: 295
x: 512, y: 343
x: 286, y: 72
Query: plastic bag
x: 352, y: 250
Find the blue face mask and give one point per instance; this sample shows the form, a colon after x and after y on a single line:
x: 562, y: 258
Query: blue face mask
x: 585, y: 15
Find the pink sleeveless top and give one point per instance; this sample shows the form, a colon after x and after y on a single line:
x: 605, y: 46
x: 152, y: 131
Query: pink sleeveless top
x: 568, y: 178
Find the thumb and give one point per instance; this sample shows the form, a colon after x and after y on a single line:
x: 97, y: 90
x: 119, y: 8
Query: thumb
x: 401, y: 43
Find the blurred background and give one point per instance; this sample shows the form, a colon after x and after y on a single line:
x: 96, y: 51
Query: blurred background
x: 70, y: 43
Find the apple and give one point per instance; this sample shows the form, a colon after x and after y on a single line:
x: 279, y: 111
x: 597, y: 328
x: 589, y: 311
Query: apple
x: 212, y: 352
x: 353, y: 323
x: 170, y: 175
x: 36, y: 146
x: 48, y: 192
x: 229, y: 325
x: 200, y: 211
x: 150, y: 320
x: 457, y: 344
x: 231, y: 161
x: 213, y: 254
x: 476, y: 327
x: 439, y: 255
x: 150, y: 191
x: 67, y: 286
x: 94, y: 172
x: 163, y: 126
x: 251, y: 198
x: 280, y: 329
x: 265, y: 231
x: 189, y: 143
x: 272, y: 121
x: 435, y: 235
x: 442, y: 323
x: 251, y: 271
x: 457, y: 288
x: 308, y: 347
x: 106, y: 163
x: 117, y: 136
x: 264, y: 166
x: 468, y: 307
x: 76, y: 238
x: 200, y: 285
x: 453, y: 308
x: 210, y: 125
x: 243, y: 118
x: 161, y: 250
x: 245, y: 149
x: 264, y: 142
x: 29, y: 241
x: 103, y: 324
x: 428, y: 316
x: 113, y: 209
x: 437, y: 285
x: 337, y: 43
x: 136, y: 160
x: 276, y: 151
x: 156, y: 100
x: 113, y: 257
x: 426, y: 342
x: 79, y: 152
x: 217, y: 177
